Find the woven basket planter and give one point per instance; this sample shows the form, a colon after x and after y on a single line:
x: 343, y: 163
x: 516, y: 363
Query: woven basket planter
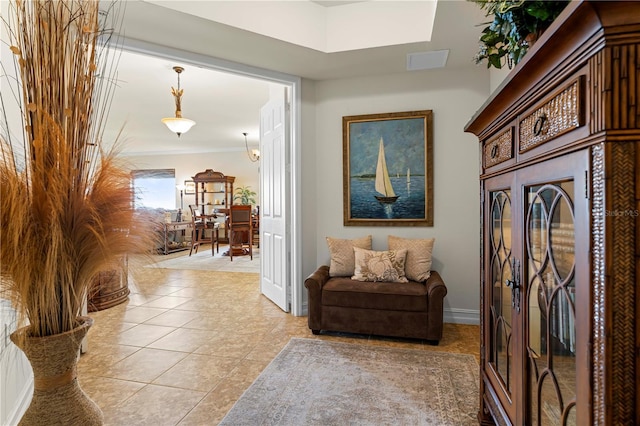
x: 57, y: 396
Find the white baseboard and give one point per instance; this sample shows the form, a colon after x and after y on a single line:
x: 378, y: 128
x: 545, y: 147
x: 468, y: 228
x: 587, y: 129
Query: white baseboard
x: 462, y: 316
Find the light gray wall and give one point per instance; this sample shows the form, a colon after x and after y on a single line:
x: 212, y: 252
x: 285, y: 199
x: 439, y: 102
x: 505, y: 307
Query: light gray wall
x: 310, y: 170
x: 497, y: 76
x: 453, y: 96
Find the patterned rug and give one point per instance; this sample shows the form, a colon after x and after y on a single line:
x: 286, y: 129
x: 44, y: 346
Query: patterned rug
x: 316, y: 382
x: 204, y: 261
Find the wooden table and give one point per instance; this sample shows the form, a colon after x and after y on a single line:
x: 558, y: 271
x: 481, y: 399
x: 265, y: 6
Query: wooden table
x: 174, y: 230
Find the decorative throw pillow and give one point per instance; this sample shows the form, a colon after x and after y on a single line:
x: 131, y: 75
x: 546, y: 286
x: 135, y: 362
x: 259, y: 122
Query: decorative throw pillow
x: 379, y: 265
x: 342, y: 257
x: 418, y: 264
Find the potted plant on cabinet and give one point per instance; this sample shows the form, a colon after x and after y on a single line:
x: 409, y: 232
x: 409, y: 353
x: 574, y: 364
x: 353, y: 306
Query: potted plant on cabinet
x: 515, y: 26
x: 66, y: 201
x: 244, y: 195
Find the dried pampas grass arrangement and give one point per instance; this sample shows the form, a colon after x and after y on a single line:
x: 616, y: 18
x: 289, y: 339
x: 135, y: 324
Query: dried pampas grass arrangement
x: 66, y: 202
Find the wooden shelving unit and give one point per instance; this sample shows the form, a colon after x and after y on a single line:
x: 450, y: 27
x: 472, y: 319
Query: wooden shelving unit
x: 214, y: 192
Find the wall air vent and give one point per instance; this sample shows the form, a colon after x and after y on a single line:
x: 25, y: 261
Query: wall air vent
x: 427, y: 60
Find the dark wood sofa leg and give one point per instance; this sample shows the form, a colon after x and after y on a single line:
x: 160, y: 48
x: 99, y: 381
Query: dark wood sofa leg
x: 316, y: 332
x: 433, y: 342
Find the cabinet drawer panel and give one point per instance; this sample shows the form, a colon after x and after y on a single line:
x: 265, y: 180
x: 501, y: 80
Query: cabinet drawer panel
x: 499, y: 149
x: 561, y: 114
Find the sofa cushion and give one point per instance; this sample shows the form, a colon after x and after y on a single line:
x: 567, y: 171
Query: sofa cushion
x: 373, y: 265
x: 342, y: 256
x: 345, y: 292
x: 419, y: 251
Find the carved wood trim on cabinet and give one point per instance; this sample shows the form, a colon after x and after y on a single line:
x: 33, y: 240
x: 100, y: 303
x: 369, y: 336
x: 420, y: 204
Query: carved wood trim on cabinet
x: 598, y: 279
x: 621, y: 217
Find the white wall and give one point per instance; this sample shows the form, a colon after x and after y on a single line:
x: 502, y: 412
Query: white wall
x: 186, y: 165
x: 16, y: 375
x: 454, y: 96
x: 497, y: 76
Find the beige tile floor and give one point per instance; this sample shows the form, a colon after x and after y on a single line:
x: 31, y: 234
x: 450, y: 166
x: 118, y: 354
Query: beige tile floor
x: 187, y: 344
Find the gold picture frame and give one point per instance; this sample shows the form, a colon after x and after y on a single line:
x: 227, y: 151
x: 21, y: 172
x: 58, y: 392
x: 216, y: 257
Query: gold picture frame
x: 189, y: 187
x: 388, y: 169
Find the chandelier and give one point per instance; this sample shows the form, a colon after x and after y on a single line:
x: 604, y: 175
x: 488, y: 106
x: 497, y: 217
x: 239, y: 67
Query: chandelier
x: 253, y: 154
x: 178, y: 124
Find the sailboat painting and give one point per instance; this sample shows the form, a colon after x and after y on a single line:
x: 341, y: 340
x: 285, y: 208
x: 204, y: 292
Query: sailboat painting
x: 387, y: 169
x: 383, y: 183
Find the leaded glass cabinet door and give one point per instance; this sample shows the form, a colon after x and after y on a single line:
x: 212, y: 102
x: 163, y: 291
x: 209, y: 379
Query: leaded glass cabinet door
x: 500, y: 319
x: 536, y: 289
x: 555, y: 281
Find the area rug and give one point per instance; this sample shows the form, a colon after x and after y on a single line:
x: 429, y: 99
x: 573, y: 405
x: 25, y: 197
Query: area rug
x: 316, y: 382
x: 204, y: 261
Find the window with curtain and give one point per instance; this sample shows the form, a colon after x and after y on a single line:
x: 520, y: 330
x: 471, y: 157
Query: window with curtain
x: 154, y: 188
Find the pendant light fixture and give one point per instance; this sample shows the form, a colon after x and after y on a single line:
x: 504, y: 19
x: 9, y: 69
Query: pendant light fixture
x: 178, y: 124
x: 254, y: 154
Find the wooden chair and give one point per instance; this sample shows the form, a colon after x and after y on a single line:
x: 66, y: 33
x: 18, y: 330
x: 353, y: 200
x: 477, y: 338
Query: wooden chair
x: 199, y: 225
x: 256, y: 229
x: 215, y: 238
x: 240, y: 230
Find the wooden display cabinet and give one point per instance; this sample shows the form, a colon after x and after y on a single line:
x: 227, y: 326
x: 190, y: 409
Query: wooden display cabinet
x: 214, y: 193
x: 560, y: 203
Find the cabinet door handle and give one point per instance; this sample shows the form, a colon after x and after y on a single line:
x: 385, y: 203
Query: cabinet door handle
x: 494, y: 151
x: 539, y: 124
x: 514, y: 284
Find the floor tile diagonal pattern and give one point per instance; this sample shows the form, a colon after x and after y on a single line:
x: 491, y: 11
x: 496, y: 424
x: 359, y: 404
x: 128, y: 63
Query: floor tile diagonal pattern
x: 188, y: 343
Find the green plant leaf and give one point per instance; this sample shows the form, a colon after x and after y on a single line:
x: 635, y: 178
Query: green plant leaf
x: 495, y: 61
x: 513, y: 21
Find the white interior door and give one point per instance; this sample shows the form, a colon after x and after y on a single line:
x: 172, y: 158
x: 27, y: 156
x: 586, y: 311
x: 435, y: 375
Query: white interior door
x: 274, y: 244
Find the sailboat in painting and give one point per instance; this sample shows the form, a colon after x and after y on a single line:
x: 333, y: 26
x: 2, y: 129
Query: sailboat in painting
x: 383, y: 183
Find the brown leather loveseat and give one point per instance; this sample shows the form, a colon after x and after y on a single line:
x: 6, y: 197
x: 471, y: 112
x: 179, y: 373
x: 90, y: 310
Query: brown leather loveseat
x: 412, y: 309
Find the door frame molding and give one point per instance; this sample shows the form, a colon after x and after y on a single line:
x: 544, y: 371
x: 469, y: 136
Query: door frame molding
x: 294, y: 83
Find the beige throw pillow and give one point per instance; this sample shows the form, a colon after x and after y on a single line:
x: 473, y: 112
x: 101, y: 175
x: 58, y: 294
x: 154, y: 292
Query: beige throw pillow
x: 380, y: 265
x: 419, y: 251
x: 342, y: 257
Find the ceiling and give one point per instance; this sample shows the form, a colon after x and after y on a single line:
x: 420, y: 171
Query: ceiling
x: 225, y: 105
